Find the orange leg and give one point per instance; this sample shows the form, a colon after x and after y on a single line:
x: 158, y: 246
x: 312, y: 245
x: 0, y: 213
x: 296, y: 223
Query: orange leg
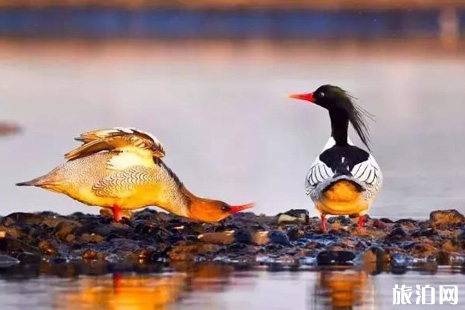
x: 361, y: 221
x: 323, y: 223
x: 116, y: 213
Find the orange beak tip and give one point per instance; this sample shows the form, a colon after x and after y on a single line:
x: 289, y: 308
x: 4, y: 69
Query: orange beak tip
x: 236, y: 209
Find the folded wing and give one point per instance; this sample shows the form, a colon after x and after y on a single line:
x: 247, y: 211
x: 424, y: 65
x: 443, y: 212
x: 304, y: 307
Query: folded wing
x: 117, y: 139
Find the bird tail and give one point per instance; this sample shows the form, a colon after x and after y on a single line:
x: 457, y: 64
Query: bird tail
x: 47, y: 180
x: 27, y: 183
x: 34, y: 182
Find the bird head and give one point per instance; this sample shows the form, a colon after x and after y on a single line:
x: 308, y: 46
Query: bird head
x: 207, y: 210
x: 338, y: 101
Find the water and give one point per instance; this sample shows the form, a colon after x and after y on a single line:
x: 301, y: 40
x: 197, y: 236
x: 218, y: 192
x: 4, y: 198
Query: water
x: 230, y: 133
x: 211, y: 286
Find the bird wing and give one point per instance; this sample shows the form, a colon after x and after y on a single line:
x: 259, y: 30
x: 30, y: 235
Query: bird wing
x: 319, y: 172
x: 369, y: 174
x: 117, y: 139
x: 366, y: 172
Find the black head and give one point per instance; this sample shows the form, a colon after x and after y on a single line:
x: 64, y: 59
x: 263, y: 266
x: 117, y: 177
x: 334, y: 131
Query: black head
x: 338, y: 101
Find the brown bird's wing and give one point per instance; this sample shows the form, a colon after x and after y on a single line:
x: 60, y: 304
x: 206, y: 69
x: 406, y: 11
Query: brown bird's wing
x: 119, y: 139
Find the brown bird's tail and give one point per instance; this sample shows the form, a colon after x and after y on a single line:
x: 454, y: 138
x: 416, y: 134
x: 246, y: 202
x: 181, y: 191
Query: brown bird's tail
x: 27, y: 183
x: 42, y: 181
x: 34, y: 182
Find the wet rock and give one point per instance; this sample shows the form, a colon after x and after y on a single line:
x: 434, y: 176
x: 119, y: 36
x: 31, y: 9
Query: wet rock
x: 48, y: 248
x: 224, y: 237
x: 151, y: 236
x: 293, y: 216
x: 90, y: 238
x: 278, y: 237
x: 401, y: 260
x: 189, y: 251
x: 423, y: 249
x: 340, y: 220
x: 12, y: 246
x: 396, y: 234
x: 337, y: 258
x: 446, y: 218
x: 29, y: 258
x: 66, y: 228
x: 21, y: 218
x: 7, y: 261
x: 386, y: 220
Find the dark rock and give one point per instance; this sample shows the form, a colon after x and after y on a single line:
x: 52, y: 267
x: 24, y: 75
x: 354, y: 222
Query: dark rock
x: 324, y: 239
x: 386, y: 220
x: 90, y: 254
x: 278, y: 237
x: 31, y: 218
x: 237, y: 247
x: 29, y: 258
x: 65, y: 228
x: 151, y: 236
x: 342, y: 220
x: 293, y: 216
x: 8, y: 261
x: 336, y: 258
x: 401, y: 260
x: 446, y: 218
x: 48, y: 248
x: 396, y: 234
x: 427, y: 232
x: 14, y: 246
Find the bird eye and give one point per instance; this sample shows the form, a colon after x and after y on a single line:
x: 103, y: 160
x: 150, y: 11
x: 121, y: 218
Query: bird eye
x: 225, y: 208
x: 322, y: 94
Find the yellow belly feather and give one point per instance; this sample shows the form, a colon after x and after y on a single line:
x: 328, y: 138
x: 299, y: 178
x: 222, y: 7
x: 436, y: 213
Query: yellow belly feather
x: 342, y: 198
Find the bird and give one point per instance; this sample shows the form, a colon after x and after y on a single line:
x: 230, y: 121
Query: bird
x: 122, y: 169
x: 344, y: 179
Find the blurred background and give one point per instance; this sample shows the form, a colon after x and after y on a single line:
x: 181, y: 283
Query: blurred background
x: 210, y: 79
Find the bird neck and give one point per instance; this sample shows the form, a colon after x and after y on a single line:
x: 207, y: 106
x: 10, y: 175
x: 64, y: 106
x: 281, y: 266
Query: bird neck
x: 339, y: 126
x: 196, y: 205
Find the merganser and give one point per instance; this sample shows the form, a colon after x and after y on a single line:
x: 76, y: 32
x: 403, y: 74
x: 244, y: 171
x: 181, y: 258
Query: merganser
x: 122, y: 169
x: 344, y: 179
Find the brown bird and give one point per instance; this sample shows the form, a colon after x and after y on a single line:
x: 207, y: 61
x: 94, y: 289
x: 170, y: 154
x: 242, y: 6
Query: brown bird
x: 122, y: 169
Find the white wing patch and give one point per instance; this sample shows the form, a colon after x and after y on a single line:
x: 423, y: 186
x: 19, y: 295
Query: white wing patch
x: 367, y: 174
x: 125, y: 160
x: 318, y: 173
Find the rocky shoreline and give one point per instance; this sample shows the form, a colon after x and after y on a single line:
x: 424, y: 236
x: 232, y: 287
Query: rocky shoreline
x: 290, y: 240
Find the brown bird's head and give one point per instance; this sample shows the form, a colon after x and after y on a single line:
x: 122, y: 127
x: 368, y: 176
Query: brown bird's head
x: 208, y: 210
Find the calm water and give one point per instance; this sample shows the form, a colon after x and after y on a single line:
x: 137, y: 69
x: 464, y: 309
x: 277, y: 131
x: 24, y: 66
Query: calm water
x: 220, y: 287
x: 230, y: 133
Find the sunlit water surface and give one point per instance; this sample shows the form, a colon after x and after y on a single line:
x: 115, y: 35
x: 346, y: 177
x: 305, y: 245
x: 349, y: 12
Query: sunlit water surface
x: 210, y: 286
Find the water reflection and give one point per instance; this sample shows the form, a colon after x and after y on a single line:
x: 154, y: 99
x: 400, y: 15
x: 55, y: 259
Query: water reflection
x: 343, y: 290
x: 146, y: 291
x: 123, y: 292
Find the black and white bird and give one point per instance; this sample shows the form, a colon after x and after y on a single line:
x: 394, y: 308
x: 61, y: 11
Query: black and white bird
x: 344, y: 179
